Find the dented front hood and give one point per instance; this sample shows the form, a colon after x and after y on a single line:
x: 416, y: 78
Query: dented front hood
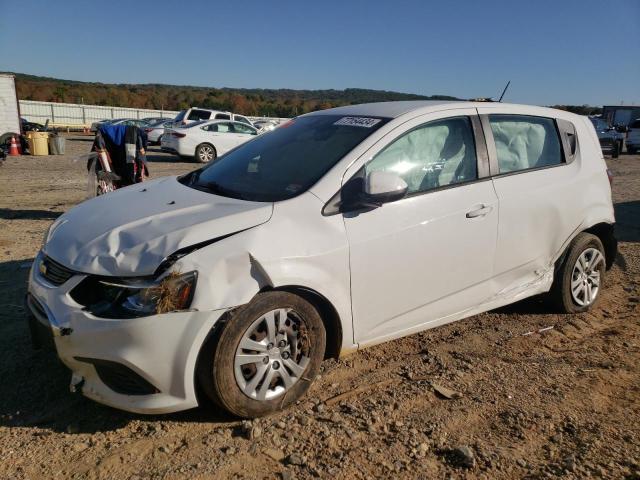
x: 130, y: 231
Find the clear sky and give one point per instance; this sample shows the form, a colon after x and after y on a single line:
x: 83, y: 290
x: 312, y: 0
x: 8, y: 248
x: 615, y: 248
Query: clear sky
x: 553, y: 51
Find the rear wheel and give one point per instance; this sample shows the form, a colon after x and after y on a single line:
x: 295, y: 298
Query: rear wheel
x: 631, y: 150
x: 265, y: 357
x: 580, y: 279
x: 615, y: 152
x: 205, y: 153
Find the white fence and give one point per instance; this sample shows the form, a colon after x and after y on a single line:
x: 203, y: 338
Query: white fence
x: 77, y: 115
x: 80, y: 115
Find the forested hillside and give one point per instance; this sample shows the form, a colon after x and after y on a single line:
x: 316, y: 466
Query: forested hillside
x: 279, y: 103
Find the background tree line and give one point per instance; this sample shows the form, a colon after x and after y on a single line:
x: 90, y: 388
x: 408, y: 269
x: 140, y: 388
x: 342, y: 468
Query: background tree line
x: 254, y: 101
x: 258, y: 102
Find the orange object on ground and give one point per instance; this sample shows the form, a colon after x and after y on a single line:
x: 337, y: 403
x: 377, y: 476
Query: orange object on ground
x: 14, y: 149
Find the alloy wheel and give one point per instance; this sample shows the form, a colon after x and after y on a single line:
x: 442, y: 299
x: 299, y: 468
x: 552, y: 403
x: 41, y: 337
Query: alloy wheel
x: 586, y: 277
x: 206, y: 153
x: 272, y: 355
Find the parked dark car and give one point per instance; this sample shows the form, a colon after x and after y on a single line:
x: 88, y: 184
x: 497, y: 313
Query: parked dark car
x: 31, y: 126
x: 610, y: 139
x: 633, y: 137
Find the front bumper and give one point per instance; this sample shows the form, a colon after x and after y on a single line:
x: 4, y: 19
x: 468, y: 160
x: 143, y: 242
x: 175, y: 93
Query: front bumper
x: 607, y: 144
x: 159, y: 351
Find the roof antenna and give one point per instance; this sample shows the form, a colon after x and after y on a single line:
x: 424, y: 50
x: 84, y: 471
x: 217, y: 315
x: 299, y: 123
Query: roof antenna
x: 505, y: 90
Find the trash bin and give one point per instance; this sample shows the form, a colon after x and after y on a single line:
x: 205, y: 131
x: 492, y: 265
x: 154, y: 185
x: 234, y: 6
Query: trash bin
x: 56, y: 144
x: 38, y: 143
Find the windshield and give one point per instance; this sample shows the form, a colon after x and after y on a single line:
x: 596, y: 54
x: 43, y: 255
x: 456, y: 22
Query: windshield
x: 599, y: 124
x: 180, y: 116
x: 285, y: 162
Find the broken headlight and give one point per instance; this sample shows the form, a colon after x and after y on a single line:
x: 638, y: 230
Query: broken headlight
x: 135, y: 297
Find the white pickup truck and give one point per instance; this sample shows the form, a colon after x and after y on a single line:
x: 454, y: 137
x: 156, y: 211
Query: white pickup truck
x: 9, y: 113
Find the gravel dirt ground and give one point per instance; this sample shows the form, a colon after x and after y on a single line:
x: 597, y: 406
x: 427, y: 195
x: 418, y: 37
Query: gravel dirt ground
x: 560, y: 402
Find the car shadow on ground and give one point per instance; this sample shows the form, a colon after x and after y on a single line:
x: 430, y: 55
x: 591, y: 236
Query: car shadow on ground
x: 628, y: 221
x: 155, y: 154
x: 538, y: 305
x: 35, y: 384
x: 11, y: 214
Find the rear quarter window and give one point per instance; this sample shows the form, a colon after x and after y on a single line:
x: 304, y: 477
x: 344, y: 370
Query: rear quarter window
x: 199, y: 115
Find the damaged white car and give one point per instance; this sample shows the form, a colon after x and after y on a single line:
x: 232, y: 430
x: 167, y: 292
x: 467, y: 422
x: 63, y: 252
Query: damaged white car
x: 341, y: 229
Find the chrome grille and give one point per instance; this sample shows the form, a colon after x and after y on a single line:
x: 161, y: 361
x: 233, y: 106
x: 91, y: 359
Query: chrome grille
x: 53, y: 272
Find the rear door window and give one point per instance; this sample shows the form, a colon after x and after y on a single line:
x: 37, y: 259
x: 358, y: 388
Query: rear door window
x: 524, y: 142
x: 223, y: 116
x: 220, y: 127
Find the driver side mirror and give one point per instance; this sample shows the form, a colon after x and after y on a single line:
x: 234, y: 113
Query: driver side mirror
x: 384, y: 187
x: 372, y: 191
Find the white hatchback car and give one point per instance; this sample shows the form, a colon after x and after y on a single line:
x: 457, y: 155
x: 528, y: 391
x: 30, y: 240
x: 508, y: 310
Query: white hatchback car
x: 341, y: 229
x: 206, y: 140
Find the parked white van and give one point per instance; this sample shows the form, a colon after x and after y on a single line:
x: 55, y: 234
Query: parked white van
x: 341, y: 229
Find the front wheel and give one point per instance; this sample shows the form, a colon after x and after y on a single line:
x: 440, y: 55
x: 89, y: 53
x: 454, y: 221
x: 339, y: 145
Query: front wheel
x: 265, y: 357
x: 205, y: 153
x: 580, y: 278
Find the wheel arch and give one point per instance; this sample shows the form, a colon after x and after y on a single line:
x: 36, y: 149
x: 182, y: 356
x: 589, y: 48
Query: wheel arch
x: 328, y: 314
x: 605, y: 232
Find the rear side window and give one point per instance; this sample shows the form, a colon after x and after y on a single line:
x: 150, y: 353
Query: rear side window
x: 525, y: 142
x: 199, y: 115
x: 434, y: 155
x: 223, y: 116
x: 222, y: 127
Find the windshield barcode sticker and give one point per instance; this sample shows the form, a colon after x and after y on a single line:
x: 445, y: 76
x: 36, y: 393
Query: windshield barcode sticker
x: 357, y: 122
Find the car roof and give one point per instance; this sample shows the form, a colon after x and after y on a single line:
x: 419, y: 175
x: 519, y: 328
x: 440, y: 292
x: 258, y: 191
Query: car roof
x: 222, y: 120
x: 397, y: 109
x: 383, y: 109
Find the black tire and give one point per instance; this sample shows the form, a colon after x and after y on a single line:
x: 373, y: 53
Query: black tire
x: 205, y: 153
x: 216, y: 374
x: 561, y: 294
x: 631, y: 151
x: 615, y: 152
x: 159, y: 141
x: 5, y: 138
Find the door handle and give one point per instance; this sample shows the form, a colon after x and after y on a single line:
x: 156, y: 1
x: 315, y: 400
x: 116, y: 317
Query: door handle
x: 480, y: 211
